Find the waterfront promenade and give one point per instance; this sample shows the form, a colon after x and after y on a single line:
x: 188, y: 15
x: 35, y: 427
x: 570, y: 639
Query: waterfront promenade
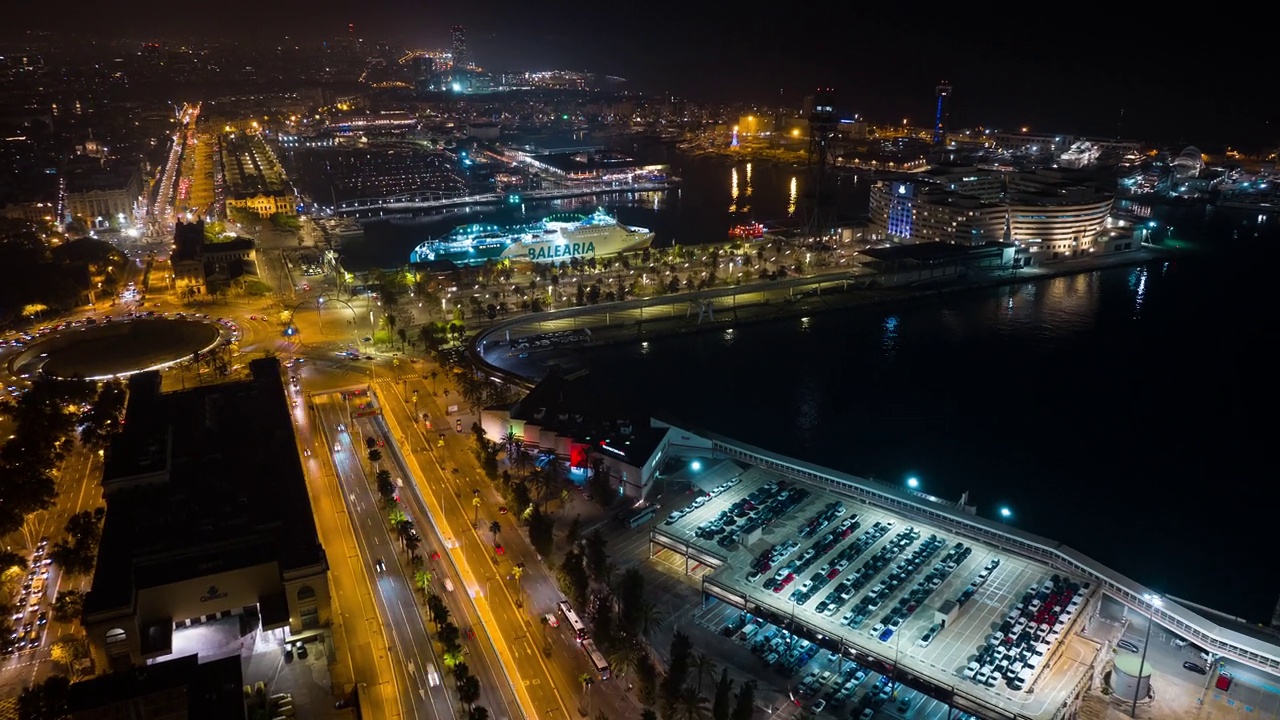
x: 720, y: 309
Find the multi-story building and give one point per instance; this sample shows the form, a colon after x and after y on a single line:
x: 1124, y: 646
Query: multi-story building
x: 1048, y: 214
x: 102, y: 197
x: 200, y: 267
x: 1033, y: 143
x: 208, y: 517
x: 253, y: 176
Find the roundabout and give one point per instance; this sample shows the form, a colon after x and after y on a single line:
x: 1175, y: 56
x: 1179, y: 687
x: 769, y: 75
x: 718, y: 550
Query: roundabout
x: 118, y: 348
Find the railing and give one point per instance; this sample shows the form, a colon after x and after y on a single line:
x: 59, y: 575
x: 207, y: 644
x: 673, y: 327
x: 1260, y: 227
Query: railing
x: 408, y: 202
x: 1184, y: 622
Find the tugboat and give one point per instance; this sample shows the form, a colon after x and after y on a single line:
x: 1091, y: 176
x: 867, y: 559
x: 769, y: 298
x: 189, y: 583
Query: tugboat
x: 750, y: 231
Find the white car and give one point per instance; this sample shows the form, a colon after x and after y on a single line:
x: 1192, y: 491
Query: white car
x: 971, y: 669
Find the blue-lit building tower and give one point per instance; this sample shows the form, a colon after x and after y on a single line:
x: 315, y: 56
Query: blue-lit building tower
x: 940, y: 113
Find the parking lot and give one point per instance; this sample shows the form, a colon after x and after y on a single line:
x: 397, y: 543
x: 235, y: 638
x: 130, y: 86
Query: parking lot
x: 888, y: 590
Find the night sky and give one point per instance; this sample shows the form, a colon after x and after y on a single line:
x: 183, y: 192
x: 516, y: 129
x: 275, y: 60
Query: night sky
x: 1071, y: 68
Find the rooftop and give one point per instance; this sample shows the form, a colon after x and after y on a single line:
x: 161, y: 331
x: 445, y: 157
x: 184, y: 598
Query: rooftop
x: 211, y: 691
x: 202, y: 481
x: 577, y: 406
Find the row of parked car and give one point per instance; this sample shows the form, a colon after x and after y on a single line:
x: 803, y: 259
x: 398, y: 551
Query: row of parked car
x: 868, y: 571
x: 787, y: 654
x: 1016, y: 649
x: 758, y: 510
x: 822, y: 519
x: 909, y: 602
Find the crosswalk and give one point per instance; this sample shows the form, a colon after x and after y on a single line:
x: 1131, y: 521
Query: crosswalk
x: 398, y: 378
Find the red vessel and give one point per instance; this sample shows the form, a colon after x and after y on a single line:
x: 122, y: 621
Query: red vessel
x: 750, y: 231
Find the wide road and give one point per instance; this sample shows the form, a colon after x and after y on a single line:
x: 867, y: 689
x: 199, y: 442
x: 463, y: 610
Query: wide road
x: 397, y: 617
x: 496, y: 692
x: 451, y: 497
x: 76, y: 480
x: 358, y: 630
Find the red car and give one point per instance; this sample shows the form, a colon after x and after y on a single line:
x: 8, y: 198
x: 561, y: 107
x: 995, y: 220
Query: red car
x: 499, y: 550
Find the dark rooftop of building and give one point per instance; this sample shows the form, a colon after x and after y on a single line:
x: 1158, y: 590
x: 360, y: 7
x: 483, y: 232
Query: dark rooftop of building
x: 88, y: 175
x: 188, y: 241
x: 212, y: 691
x: 577, y: 406
x: 588, y: 161
x: 202, y: 481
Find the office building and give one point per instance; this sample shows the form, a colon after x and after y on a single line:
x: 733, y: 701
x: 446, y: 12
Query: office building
x: 100, y: 196
x: 1051, y: 215
x: 208, y: 518
x: 941, y: 110
x: 461, y: 61
x: 178, y: 689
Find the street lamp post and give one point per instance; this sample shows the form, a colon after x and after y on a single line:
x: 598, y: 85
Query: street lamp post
x: 1154, y: 600
x: 1005, y: 514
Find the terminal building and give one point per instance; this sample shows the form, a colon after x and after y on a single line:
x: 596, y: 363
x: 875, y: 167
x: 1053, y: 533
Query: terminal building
x: 255, y: 181
x: 208, y: 517
x: 1047, y: 214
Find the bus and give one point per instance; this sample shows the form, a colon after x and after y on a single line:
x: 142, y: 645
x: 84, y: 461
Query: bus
x: 598, y: 662
x: 639, y: 517
x: 579, y: 629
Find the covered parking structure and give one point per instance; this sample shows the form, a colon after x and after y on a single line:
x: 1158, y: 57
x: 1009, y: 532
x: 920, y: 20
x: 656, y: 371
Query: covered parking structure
x: 1031, y: 555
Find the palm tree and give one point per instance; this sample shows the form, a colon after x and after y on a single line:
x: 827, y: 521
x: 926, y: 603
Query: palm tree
x: 511, y: 444
x: 692, y: 706
x: 375, y: 456
x: 517, y: 571
x: 649, y: 616
x: 453, y: 657
x: 411, y: 544
x: 553, y: 470
x: 495, y: 528
x: 422, y: 579
x: 397, y: 516
x: 703, y: 667
x: 624, y: 659
x: 522, y: 462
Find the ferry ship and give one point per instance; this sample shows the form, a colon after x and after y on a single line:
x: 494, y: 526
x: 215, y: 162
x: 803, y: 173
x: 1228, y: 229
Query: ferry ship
x: 558, y: 238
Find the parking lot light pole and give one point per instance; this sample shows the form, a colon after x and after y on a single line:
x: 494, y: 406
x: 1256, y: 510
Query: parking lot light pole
x: 1154, y: 600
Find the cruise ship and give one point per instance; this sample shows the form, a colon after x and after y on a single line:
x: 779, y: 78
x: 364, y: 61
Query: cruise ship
x: 558, y: 238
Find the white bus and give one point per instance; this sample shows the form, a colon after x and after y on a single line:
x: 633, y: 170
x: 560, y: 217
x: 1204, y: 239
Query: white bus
x: 598, y: 663
x: 579, y: 629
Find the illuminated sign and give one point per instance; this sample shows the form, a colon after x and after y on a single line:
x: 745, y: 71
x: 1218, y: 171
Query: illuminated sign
x: 565, y: 250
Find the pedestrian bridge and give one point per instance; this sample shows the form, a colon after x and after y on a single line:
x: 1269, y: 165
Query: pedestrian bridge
x: 432, y: 199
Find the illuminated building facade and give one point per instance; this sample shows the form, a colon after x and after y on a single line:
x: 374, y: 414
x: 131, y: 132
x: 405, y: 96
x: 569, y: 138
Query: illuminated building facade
x: 940, y: 113
x: 1053, y: 217
x: 461, y: 60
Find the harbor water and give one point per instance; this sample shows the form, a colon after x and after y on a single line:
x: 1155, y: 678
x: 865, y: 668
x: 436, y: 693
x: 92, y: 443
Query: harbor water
x: 1122, y: 411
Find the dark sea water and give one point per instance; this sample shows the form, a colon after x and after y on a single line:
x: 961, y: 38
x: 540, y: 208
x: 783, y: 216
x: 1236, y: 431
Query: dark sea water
x: 714, y: 196
x: 1123, y: 412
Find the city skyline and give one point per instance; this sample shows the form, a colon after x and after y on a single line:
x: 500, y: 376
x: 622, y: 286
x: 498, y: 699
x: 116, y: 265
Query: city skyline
x: 1006, y: 71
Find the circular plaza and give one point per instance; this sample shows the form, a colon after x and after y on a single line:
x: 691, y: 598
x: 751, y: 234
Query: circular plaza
x: 117, y: 348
